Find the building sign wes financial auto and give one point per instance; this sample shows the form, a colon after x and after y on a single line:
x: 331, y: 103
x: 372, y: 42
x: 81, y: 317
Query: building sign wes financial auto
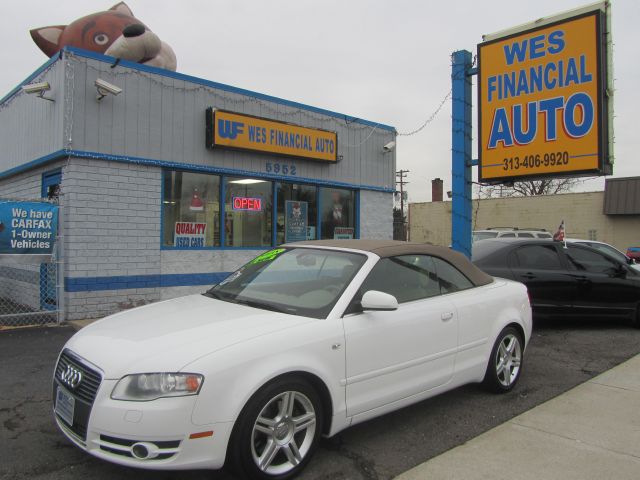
x: 234, y: 130
x: 542, y: 106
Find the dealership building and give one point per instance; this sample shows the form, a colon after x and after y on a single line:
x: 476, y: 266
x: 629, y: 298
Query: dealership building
x: 167, y: 182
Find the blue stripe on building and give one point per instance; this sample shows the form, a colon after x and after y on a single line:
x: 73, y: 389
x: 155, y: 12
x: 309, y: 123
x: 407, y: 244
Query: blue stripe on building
x: 126, y: 282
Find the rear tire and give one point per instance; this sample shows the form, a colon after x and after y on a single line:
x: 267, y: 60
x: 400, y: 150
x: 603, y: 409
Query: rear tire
x: 277, y: 431
x: 505, y: 362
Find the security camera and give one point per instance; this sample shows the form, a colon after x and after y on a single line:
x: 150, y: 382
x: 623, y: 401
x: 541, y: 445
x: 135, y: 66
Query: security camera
x: 39, y: 88
x: 389, y: 146
x: 105, y: 87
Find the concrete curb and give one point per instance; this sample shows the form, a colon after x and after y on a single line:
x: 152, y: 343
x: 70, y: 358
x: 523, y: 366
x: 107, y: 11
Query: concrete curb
x: 590, y: 432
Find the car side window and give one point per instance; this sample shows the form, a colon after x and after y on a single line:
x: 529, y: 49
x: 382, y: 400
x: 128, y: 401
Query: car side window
x: 508, y: 235
x: 450, y: 278
x: 525, y: 235
x: 590, y: 261
x: 538, y: 257
x: 406, y: 277
x: 611, y: 252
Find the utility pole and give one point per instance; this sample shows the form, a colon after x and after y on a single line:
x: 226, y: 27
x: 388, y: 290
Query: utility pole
x: 400, y: 179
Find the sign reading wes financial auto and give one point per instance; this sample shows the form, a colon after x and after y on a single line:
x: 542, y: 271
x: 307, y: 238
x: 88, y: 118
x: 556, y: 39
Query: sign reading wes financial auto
x: 234, y: 130
x: 542, y: 105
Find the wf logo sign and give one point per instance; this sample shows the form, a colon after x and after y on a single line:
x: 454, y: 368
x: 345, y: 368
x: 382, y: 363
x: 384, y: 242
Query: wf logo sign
x: 229, y: 129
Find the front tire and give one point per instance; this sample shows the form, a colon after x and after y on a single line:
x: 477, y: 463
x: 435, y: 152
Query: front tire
x: 277, y: 431
x: 505, y: 362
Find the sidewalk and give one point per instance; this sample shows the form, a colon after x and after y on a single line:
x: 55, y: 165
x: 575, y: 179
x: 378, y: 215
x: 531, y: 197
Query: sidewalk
x: 591, y: 432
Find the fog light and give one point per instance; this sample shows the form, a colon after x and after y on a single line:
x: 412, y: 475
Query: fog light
x: 140, y: 451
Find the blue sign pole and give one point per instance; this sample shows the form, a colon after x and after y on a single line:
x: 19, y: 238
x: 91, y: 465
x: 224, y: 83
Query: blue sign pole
x: 461, y: 71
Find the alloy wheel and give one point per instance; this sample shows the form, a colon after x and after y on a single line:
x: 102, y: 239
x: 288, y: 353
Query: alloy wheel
x: 508, y: 360
x: 283, y: 433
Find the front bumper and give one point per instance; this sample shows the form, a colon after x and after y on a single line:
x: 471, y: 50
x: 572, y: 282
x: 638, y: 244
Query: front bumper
x: 162, y: 426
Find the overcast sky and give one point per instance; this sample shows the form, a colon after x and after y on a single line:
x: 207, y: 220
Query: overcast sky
x: 383, y: 60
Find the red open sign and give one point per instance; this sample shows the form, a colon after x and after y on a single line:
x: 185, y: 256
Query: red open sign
x: 247, y: 203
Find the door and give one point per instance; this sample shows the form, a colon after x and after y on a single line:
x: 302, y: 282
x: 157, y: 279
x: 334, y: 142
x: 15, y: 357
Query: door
x: 544, y: 271
x: 49, y: 271
x: 604, y: 285
x: 395, y: 354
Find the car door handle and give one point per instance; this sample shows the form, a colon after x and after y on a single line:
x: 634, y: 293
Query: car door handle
x: 528, y: 276
x: 446, y: 316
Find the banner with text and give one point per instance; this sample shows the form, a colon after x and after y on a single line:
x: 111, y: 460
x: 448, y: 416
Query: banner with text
x: 295, y: 221
x: 27, y: 228
x: 190, y: 234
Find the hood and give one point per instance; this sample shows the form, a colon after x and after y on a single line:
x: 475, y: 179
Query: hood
x: 165, y: 336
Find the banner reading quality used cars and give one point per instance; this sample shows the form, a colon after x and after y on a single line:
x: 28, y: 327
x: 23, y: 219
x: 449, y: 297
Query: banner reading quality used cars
x: 27, y: 228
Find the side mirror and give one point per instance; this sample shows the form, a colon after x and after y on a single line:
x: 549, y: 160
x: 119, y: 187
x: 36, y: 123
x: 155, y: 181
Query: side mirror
x: 620, y: 271
x: 375, y: 300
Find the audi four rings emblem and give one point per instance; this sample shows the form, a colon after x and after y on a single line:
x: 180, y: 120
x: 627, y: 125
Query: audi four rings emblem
x: 71, y: 376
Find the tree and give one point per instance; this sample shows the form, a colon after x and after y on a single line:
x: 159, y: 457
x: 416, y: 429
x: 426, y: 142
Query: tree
x: 529, y: 188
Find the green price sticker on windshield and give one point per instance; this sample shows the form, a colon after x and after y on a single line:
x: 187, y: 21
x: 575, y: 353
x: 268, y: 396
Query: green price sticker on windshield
x: 267, y: 256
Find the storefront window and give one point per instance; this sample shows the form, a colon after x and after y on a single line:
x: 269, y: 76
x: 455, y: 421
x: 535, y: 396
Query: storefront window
x: 190, y: 210
x: 297, y: 213
x: 337, y: 213
x: 248, y: 211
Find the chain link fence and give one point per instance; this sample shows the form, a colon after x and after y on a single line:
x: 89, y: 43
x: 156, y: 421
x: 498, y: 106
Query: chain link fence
x: 29, y: 289
x: 28, y: 294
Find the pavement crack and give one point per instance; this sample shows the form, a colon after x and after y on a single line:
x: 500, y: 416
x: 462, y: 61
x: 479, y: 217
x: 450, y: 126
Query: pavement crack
x: 364, y: 466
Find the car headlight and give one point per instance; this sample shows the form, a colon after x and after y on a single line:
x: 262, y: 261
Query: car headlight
x: 143, y: 387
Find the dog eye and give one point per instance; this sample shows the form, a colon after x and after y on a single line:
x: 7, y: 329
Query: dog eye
x: 101, y: 38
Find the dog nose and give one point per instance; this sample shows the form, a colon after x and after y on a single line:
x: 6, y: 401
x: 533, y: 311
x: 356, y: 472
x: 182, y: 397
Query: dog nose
x: 133, y: 30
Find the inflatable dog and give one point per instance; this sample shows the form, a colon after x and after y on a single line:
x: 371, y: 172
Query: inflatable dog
x: 114, y: 32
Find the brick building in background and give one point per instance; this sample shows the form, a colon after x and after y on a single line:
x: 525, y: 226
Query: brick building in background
x: 148, y: 211
x: 612, y: 216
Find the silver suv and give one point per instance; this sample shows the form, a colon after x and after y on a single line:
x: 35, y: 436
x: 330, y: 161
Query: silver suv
x: 512, y: 232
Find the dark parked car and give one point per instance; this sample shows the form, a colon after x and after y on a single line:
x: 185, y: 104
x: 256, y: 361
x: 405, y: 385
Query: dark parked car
x: 564, y: 279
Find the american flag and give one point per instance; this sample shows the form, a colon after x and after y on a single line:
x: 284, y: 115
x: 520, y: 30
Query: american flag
x: 559, y: 235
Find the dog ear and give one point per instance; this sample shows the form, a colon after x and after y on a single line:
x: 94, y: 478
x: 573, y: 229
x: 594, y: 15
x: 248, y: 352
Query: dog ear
x: 47, y: 38
x: 122, y: 8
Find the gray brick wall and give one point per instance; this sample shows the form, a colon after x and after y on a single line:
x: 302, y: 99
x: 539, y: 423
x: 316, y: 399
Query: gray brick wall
x: 97, y: 304
x: 113, y: 230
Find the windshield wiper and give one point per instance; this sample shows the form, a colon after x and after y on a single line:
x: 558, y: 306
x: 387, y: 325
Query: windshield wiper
x: 217, y: 296
x: 264, y: 306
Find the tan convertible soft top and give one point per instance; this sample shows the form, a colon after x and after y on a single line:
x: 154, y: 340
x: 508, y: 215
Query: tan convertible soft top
x: 392, y: 248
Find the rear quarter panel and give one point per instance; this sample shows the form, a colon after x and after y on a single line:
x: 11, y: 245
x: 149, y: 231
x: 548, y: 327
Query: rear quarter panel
x: 483, y: 312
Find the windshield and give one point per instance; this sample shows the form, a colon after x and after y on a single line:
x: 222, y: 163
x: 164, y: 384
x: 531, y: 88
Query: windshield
x: 297, y: 281
x: 484, y: 235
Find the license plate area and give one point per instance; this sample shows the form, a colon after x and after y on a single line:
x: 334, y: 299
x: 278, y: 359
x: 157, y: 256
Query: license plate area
x: 65, y: 406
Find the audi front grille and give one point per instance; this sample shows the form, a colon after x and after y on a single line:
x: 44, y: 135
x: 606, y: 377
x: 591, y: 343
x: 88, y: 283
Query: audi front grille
x: 88, y: 386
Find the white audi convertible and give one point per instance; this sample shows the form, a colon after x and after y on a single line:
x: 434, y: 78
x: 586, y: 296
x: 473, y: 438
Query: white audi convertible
x: 304, y: 340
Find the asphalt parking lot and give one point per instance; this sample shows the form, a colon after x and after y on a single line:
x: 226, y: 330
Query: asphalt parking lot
x: 561, y: 355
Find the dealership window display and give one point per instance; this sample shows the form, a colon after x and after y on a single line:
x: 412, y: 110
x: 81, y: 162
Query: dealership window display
x: 297, y: 212
x: 190, y: 210
x: 248, y: 212
x: 337, y: 213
